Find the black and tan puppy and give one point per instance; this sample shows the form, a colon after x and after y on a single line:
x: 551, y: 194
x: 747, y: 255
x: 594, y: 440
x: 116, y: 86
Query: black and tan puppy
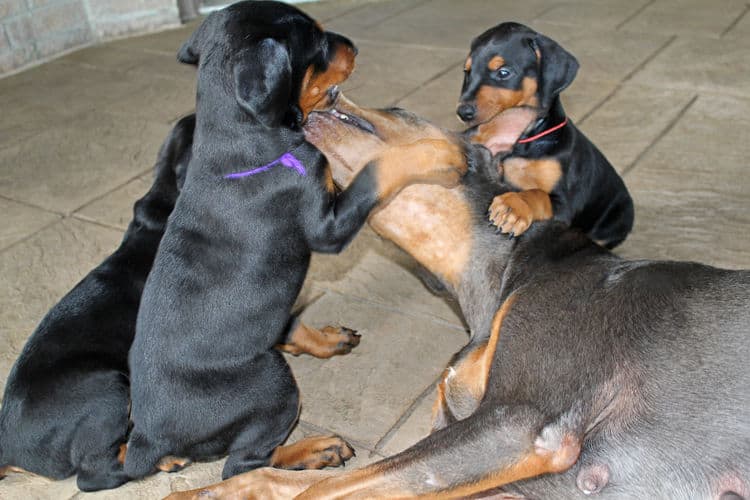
x: 511, y: 98
x: 65, y: 408
x: 258, y: 199
x: 585, y: 373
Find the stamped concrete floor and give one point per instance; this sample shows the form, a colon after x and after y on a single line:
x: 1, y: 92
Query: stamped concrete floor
x: 664, y: 90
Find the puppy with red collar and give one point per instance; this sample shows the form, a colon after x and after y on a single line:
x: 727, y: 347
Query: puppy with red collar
x: 511, y: 100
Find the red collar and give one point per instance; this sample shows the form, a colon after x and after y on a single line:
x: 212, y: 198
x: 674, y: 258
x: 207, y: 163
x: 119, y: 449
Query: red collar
x: 542, y: 134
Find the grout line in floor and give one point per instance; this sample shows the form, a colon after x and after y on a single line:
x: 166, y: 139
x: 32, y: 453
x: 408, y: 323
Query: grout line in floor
x: 383, y: 441
x: 627, y: 78
x: 112, y: 190
x: 344, y: 13
x: 648, y: 59
x: 427, y: 82
x: 634, y: 14
x: 29, y: 236
x: 598, y: 105
x: 31, y: 205
x: 90, y: 220
x: 659, y: 137
x: 398, y: 13
x: 736, y: 21
x: 389, y: 308
x: 418, y: 46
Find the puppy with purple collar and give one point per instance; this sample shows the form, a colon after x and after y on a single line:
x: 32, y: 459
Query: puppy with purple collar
x: 207, y: 378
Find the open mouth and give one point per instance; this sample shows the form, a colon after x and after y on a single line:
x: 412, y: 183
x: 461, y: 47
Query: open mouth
x: 353, y: 120
x: 346, y: 118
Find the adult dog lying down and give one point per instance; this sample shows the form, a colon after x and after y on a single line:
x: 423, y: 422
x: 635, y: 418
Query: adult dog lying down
x: 585, y: 372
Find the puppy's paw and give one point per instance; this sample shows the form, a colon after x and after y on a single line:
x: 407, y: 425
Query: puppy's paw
x: 511, y: 214
x: 338, y: 340
x: 172, y: 464
x: 315, y: 452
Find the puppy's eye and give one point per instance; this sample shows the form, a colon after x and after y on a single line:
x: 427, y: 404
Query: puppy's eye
x: 503, y: 73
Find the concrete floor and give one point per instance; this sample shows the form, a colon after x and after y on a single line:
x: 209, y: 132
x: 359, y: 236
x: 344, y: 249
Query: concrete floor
x: 664, y: 90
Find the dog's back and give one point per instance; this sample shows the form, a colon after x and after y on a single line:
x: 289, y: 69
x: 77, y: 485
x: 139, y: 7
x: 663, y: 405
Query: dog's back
x: 65, y: 408
x: 600, y: 204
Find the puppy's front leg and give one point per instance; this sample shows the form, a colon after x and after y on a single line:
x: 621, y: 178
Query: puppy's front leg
x: 326, y: 343
x: 331, y: 221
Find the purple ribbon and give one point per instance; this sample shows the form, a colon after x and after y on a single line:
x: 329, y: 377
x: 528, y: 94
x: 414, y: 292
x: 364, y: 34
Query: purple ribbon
x: 287, y: 159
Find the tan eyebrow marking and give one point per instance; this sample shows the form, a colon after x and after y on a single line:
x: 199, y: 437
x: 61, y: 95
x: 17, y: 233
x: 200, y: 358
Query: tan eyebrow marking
x: 496, y: 63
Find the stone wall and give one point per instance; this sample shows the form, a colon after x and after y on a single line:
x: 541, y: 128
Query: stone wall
x: 34, y: 30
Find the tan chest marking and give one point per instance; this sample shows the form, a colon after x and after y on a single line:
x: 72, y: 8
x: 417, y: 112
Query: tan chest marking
x: 526, y: 174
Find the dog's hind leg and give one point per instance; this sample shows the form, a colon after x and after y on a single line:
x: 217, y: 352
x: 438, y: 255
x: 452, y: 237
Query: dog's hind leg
x: 325, y: 343
x: 494, y: 446
x: 310, y: 453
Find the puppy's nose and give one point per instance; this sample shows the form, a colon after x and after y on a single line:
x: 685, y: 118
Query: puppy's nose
x: 466, y: 112
x: 333, y: 93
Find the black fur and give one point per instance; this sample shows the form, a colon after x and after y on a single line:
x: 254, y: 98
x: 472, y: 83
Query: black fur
x: 65, y: 408
x: 590, y: 195
x: 206, y: 378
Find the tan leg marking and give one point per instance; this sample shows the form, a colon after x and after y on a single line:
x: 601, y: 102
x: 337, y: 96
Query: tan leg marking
x: 526, y: 174
x: 172, y: 464
x: 275, y: 483
x: 260, y: 484
x: 463, y: 385
x: 324, y: 343
x: 122, y: 453
x: 515, y: 212
x: 312, y: 453
x: 434, y: 225
x: 536, y: 462
x: 425, y: 161
x: 10, y: 469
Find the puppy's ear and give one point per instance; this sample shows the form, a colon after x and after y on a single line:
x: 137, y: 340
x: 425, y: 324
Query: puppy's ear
x: 187, y: 54
x: 262, y: 81
x: 190, y: 52
x: 558, y: 68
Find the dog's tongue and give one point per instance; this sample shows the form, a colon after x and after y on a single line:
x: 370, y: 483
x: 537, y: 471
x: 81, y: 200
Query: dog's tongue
x: 502, y: 132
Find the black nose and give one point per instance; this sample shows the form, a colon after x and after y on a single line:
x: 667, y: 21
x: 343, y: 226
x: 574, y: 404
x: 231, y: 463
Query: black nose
x: 466, y: 112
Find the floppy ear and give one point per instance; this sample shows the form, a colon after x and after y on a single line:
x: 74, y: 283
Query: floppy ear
x: 262, y: 81
x: 557, y: 68
x: 189, y: 53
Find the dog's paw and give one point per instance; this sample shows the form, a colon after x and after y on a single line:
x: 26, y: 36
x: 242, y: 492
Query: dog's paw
x: 316, y: 452
x: 172, y: 464
x: 339, y: 340
x: 511, y: 214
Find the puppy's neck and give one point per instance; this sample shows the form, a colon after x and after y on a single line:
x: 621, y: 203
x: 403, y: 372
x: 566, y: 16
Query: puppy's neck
x: 546, y: 120
x: 231, y: 134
